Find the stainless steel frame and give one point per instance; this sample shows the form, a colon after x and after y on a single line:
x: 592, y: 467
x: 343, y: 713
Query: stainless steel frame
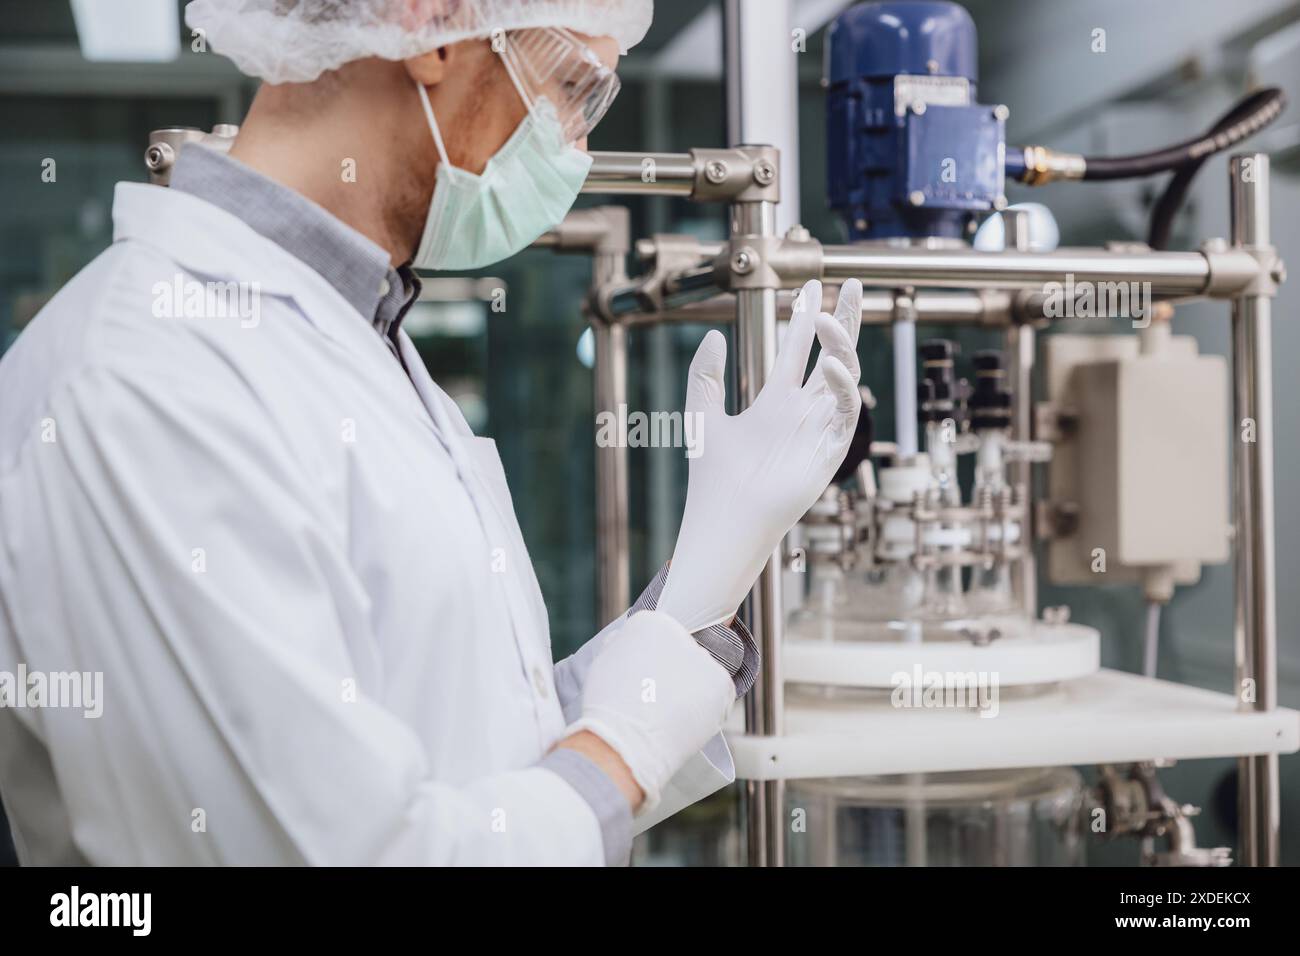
x: 1002, y: 289
x: 764, y: 706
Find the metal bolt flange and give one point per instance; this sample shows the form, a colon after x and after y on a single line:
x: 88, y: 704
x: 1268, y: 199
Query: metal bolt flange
x: 743, y: 261
x: 158, y: 157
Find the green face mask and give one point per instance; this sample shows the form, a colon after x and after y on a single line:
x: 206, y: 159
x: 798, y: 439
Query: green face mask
x: 526, y: 188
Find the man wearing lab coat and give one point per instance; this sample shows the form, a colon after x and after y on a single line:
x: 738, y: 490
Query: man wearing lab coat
x: 231, y: 495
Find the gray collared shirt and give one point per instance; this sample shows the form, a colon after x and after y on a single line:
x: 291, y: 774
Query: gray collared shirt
x: 356, y: 267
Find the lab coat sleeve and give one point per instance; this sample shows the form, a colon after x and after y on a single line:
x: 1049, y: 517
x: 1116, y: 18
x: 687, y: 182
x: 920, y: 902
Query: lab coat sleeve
x: 706, y: 772
x: 729, y: 643
x: 178, y: 546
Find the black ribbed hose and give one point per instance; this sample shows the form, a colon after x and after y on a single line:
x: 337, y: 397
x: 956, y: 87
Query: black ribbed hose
x: 1256, y: 111
x: 1245, y: 119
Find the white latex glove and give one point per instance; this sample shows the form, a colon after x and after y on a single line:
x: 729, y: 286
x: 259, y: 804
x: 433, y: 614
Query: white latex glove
x: 760, y: 471
x: 656, y: 697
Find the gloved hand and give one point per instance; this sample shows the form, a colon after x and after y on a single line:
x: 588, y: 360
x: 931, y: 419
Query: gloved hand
x: 656, y: 697
x: 760, y: 471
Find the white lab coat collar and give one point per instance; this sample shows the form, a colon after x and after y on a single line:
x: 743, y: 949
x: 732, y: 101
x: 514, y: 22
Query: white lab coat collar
x: 449, y: 424
x: 214, y: 244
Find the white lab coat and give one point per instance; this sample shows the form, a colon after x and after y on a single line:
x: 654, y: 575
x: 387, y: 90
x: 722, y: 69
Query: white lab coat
x: 320, y: 635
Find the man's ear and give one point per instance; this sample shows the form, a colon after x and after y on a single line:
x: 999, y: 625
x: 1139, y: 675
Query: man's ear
x: 429, y: 69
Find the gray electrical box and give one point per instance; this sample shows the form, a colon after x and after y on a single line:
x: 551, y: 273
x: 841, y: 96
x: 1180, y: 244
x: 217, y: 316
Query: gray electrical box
x: 1141, y: 460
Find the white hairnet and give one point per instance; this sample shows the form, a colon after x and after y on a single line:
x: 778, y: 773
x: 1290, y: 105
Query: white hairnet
x: 295, y: 41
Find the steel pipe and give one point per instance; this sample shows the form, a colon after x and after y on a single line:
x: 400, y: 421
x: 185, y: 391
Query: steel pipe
x: 756, y: 340
x: 1170, y: 273
x: 762, y: 107
x: 609, y: 374
x: 638, y: 174
x: 1256, y: 585
x: 984, y: 307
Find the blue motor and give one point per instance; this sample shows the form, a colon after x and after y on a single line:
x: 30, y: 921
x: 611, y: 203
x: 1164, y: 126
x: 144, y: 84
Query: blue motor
x: 910, y: 152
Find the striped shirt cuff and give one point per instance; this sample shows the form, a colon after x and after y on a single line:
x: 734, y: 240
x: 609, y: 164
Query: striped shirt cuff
x: 604, y: 797
x: 731, y: 644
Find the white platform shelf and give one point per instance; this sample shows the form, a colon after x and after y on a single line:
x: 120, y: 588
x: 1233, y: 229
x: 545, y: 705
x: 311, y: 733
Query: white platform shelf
x: 1109, y: 717
x: 1049, y: 653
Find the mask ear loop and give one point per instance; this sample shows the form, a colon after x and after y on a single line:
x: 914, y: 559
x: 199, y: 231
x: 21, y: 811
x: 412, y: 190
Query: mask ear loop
x: 433, y: 124
x: 514, y: 78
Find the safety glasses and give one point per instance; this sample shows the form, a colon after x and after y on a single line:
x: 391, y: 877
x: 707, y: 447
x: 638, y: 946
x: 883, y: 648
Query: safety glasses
x: 553, y: 63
